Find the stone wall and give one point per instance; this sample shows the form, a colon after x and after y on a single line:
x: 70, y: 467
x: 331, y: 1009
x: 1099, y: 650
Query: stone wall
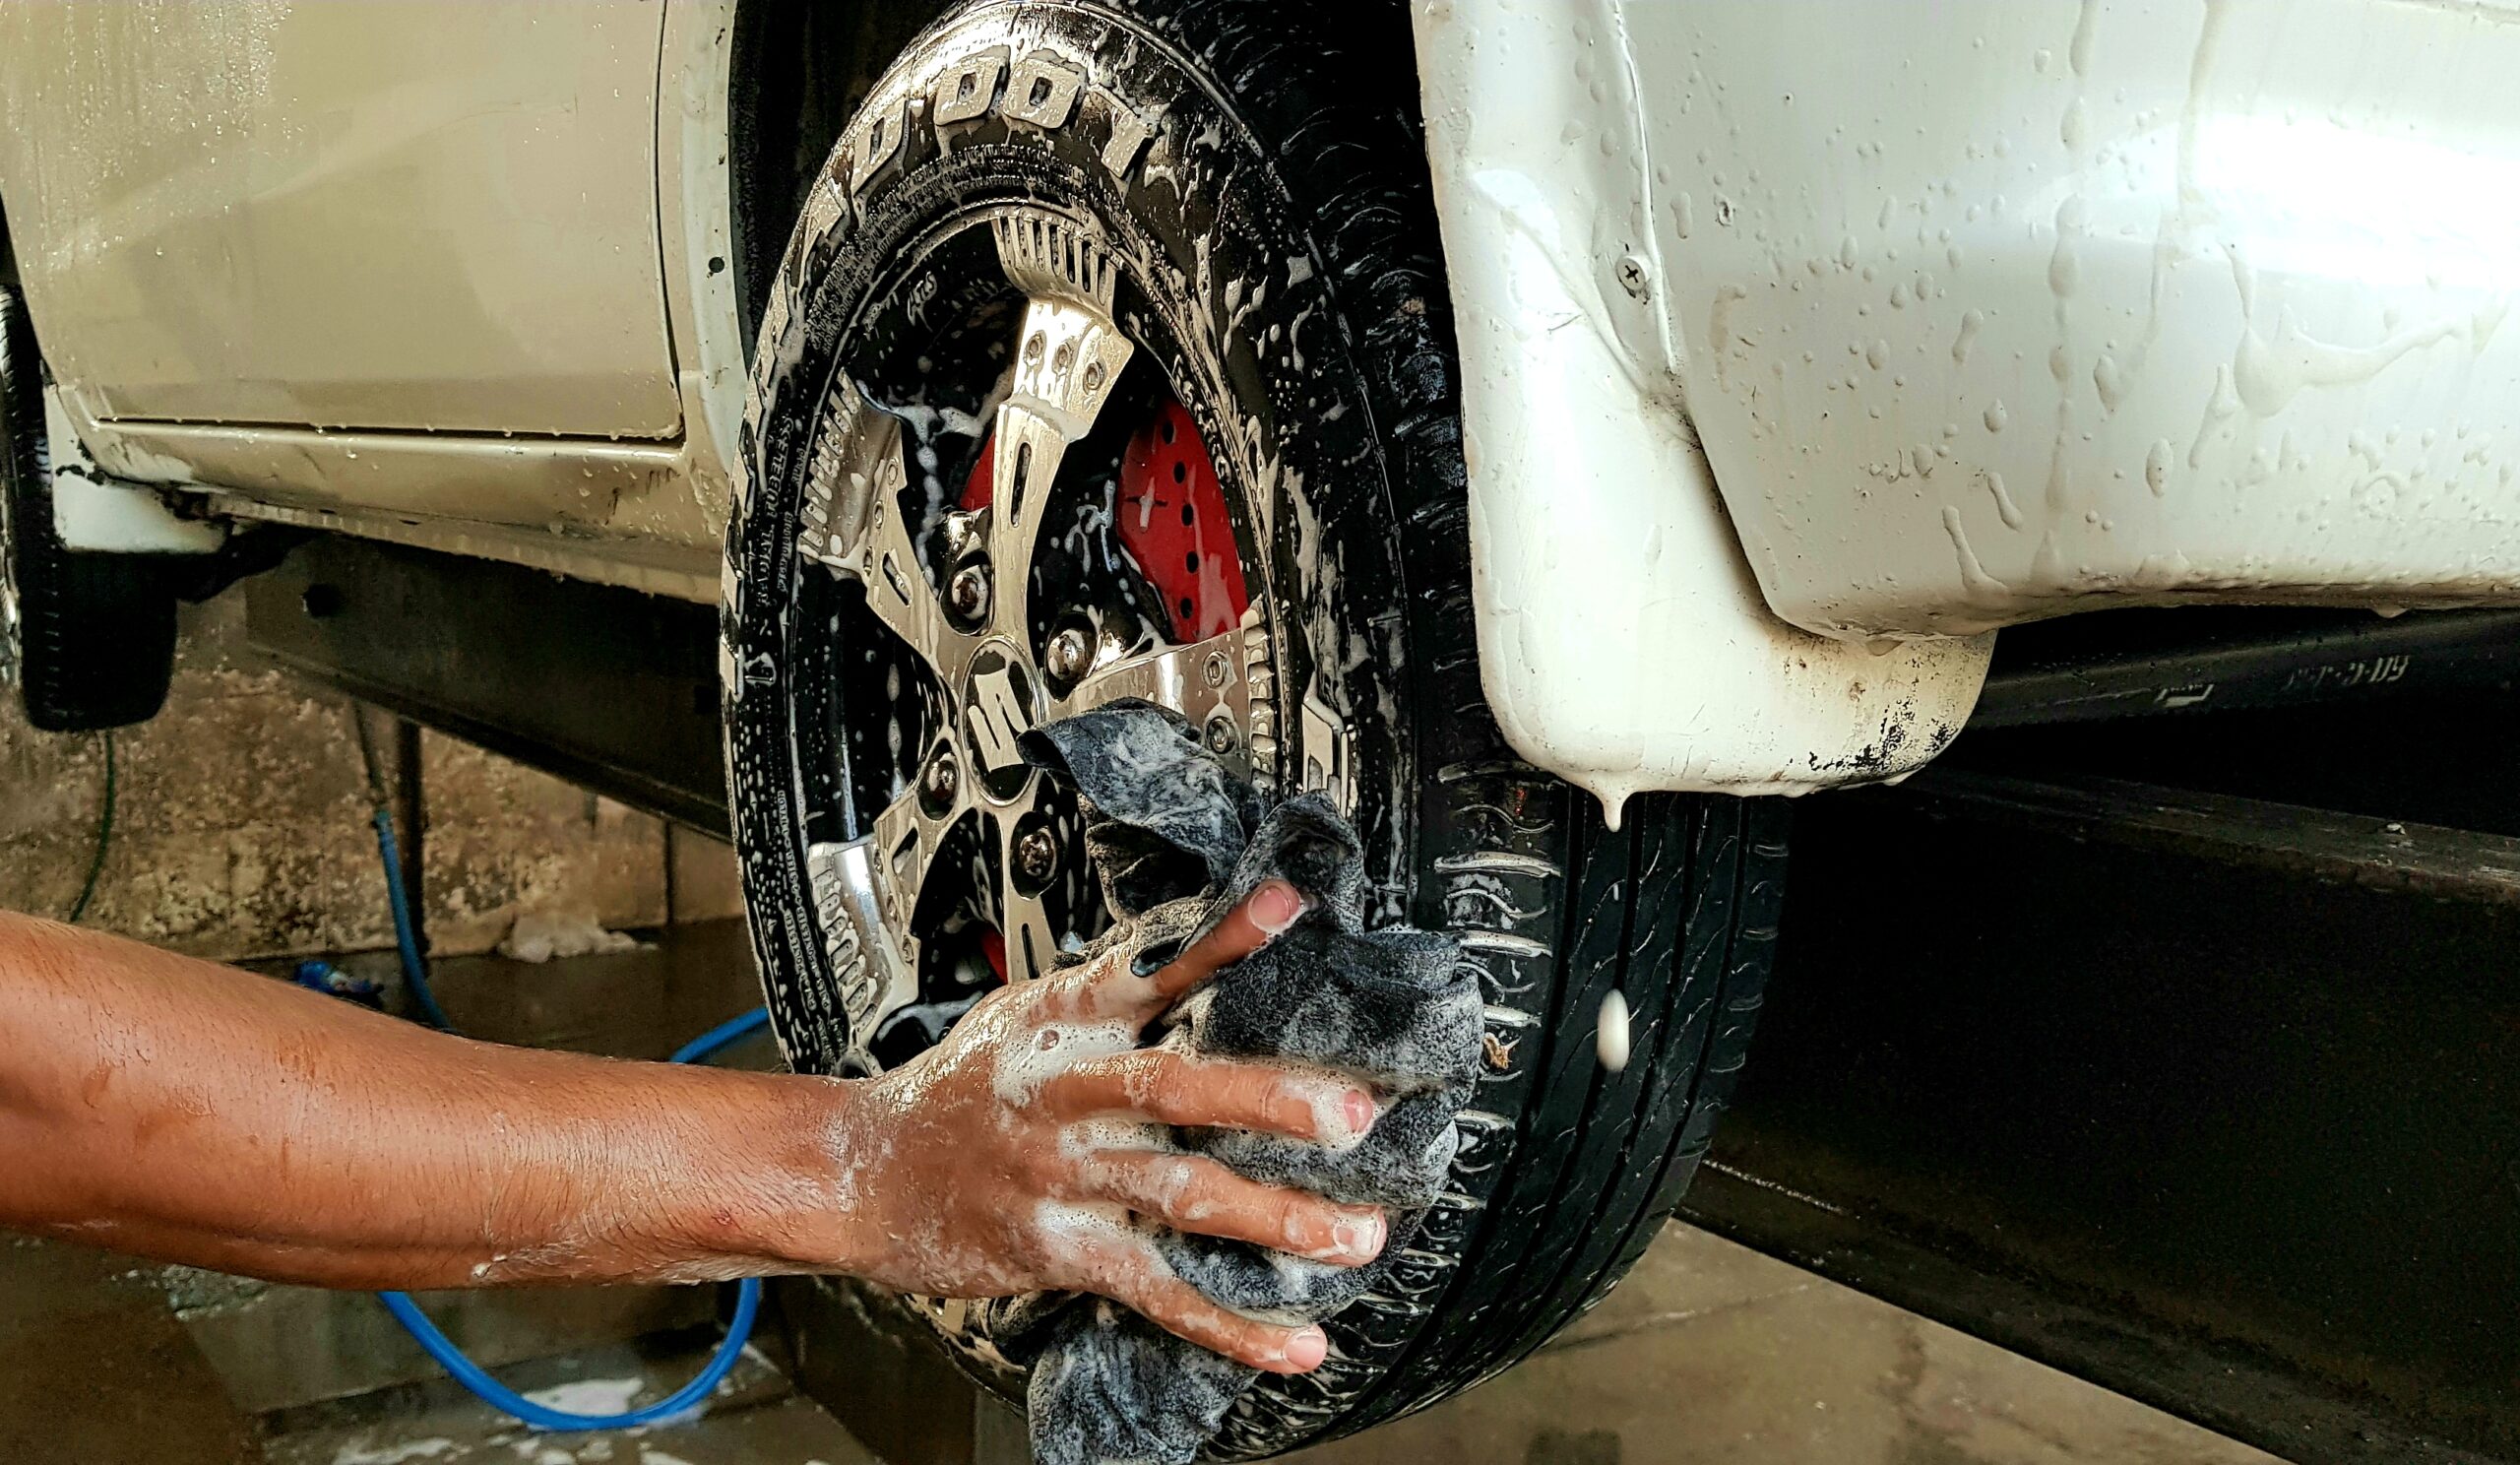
x: 241, y: 826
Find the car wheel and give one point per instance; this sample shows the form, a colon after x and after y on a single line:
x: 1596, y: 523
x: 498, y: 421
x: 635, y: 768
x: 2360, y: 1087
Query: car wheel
x: 1111, y: 358
x: 90, y: 639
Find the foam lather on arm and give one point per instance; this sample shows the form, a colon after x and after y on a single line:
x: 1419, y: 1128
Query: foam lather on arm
x: 1177, y: 841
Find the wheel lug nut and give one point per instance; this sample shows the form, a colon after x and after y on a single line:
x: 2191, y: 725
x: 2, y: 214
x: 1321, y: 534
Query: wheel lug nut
x: 1070, y: 654
x: 1223, y: 737
x: 940, y: 780
x: 967, y: 594
x: 1035, y: 854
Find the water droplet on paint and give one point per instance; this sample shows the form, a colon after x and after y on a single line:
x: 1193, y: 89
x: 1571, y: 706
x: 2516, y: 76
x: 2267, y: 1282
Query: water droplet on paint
x: 2156, y: 467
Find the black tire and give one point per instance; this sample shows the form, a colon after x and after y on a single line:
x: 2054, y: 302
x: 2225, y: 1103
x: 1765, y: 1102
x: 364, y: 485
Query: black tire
x: 93, y: 643
x: 1292, y: 140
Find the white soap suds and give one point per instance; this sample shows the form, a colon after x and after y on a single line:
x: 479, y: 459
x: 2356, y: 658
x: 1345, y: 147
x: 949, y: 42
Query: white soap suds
x: 589, y: 1395
x: 392, y: 1454
x: 1610, y: 1039
x: 538, y: 938
x: 1077, y: 1233
x: 1055, y: 1048
x: 1297, y: 1275
x: 1086, y: 1141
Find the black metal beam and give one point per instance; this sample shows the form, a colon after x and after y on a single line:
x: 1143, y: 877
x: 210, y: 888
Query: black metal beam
x: 2147, y: 663
x: 602, y: 686
x: 2329, y: 845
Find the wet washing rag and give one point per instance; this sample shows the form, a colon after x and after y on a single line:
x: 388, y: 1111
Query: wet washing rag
x: 1177, y: 841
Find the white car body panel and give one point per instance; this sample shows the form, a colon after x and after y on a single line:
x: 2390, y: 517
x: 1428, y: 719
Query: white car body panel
x: 1980, y: 312
x: 1622, y: 638
x: 264, y: 244
x: 391, y: 214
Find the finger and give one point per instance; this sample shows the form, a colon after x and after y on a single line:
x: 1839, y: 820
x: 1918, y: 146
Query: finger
x: 1174, y: 1088
x: 1264, y: 914
x: 1190, y: 1193
x: 1110, y: 989
x: 1178, y: 1307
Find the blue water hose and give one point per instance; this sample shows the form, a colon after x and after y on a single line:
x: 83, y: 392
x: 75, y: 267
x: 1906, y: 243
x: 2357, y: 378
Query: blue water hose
x: 499, y: 1396
x: 733, y: 1030
x: 407, y: 1313
x: 543, y: 1417
x: 415, y: 973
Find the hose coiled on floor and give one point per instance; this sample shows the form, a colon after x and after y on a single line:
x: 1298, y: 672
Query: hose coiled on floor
x: 407, y: 1313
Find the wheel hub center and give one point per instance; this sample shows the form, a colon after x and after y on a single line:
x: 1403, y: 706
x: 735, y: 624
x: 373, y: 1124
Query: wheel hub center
x: 1001, y: 702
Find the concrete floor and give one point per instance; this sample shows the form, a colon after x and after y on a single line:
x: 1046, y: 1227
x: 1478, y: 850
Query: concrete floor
x: 1710, y: 1354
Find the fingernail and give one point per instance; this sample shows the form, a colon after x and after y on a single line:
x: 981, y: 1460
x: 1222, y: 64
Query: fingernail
x: 1359, y: 1238
x: 1276, y: 905
x: 1307, y: 1348
x: 1360, y: 1109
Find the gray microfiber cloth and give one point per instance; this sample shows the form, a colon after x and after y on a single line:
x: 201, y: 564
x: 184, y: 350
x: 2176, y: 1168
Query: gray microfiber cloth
x: 1177, y: 841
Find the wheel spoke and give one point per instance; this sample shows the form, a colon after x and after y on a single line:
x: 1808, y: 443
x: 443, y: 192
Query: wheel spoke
x: 901, y: 593
x: 1030, y: 942
x: 1068, y: 358
x: 907, y: 838
x: 1024, y: 920
x: 1221, y: 684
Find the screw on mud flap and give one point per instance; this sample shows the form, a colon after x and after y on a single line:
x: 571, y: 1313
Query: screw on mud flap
x: 1632, y: 275
x: 1217, y: 669
x: 967, y: 594
x: 940, y: 780
x: 1069, y: 654
x: 1036, y: 855
x: 1223, y: 737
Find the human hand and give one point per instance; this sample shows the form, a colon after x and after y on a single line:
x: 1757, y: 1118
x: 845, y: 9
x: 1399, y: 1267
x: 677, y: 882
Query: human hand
x: 1013, y: 1156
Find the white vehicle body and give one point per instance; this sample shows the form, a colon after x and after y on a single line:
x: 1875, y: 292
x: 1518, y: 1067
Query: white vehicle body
x: 1805, y: 342
x: 1933, y: 320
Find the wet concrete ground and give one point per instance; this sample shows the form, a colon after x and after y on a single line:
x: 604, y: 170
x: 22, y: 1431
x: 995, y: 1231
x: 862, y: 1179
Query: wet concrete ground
x: 1710, y: 1354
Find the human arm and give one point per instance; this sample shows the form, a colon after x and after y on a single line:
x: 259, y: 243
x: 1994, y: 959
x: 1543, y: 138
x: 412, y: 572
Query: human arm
x: 181, y: 1110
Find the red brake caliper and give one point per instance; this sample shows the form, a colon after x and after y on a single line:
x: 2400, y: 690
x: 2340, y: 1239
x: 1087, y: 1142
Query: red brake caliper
x: 1172, y: 521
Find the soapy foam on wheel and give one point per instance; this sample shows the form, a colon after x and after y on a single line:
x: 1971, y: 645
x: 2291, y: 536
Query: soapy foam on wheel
x: 1610, y: 1037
